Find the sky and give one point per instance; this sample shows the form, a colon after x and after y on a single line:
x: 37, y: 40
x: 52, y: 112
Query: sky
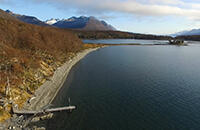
x: 139, y: 16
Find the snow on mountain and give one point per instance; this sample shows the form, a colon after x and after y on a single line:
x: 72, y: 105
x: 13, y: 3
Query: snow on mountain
x: 51, y: 21
x: 83, y: 23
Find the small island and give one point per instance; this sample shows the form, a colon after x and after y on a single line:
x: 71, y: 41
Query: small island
x: 177, y: 42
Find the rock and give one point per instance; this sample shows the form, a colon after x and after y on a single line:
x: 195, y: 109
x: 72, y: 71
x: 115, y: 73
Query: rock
x: 14, y: 116
x: 36, y: 119
x: 15, y: 60
x: 49, y: 116
x: 37, y: 128
x: 41, y: 128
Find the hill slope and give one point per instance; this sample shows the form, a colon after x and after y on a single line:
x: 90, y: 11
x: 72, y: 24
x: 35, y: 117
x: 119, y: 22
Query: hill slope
x: 82, y: 23
x: 7, y: 16
x: 29, y: 55
x: 27, y: 19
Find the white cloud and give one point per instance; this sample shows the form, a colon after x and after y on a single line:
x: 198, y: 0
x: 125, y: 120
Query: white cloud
x: 8, y: 2
x: 136, y: 7
x: 169, y: 2
x: 2, y: 1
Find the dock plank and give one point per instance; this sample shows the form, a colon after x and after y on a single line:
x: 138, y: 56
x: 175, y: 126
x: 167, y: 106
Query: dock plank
x: 59, y: 109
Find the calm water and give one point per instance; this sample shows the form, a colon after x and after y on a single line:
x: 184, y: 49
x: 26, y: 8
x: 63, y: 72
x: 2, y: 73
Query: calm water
x: 133, y: 87
x: 125, y: 41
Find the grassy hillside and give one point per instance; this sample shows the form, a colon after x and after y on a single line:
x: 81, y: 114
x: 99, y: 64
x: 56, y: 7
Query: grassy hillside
x: 7, y: 16
x: 29, y: 55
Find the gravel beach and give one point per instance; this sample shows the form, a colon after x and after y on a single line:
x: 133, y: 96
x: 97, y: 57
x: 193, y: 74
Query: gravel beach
x: 46, y: 93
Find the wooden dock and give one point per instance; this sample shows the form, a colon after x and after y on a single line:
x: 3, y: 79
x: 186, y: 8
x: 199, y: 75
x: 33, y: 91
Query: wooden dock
x: 50, y: 110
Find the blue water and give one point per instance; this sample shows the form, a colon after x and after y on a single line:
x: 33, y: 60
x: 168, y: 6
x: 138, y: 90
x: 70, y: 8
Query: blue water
x: 125, y: 41
x: 133, y: 88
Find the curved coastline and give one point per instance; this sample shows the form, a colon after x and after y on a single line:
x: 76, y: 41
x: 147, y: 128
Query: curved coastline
x: 46, y: 93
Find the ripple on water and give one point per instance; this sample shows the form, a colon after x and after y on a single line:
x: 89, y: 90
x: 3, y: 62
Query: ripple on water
x: 133, y: 87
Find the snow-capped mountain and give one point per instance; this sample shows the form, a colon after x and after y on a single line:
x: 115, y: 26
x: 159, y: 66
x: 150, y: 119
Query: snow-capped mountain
x: 51, y: 21
x: 83, y: 23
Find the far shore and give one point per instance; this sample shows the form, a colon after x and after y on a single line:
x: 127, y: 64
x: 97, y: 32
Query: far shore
x: 138, y: 44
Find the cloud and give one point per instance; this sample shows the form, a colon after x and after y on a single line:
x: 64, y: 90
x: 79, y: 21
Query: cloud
x: 106, y: 17
x: 154, y: 8
x: 170, y: 2
x: 2, y: 1
x: 8, y: 2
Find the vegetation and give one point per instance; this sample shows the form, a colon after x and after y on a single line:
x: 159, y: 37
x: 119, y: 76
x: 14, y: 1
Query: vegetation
x: 117, y: 35
x: 29, y: 55
x: 176, y: 42
x: 190, y: 38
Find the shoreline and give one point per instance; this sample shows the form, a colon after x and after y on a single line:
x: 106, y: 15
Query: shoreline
x: 46, y: 93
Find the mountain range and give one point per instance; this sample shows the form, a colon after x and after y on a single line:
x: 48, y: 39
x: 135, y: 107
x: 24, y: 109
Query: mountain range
x: 83, y: 27
x: 82, y: 22
x: 27, y: 19
x: 187, y: 33
x: 79, y: 23
x: 29, y: 55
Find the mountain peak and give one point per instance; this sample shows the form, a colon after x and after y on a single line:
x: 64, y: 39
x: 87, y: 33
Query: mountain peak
x: 11, y: 13
x: 92, y: 17
x: 8, y: 11
x: 5, y: 15
x: 26, y: 19
x: 83, y: 23
x: 83, y: 16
